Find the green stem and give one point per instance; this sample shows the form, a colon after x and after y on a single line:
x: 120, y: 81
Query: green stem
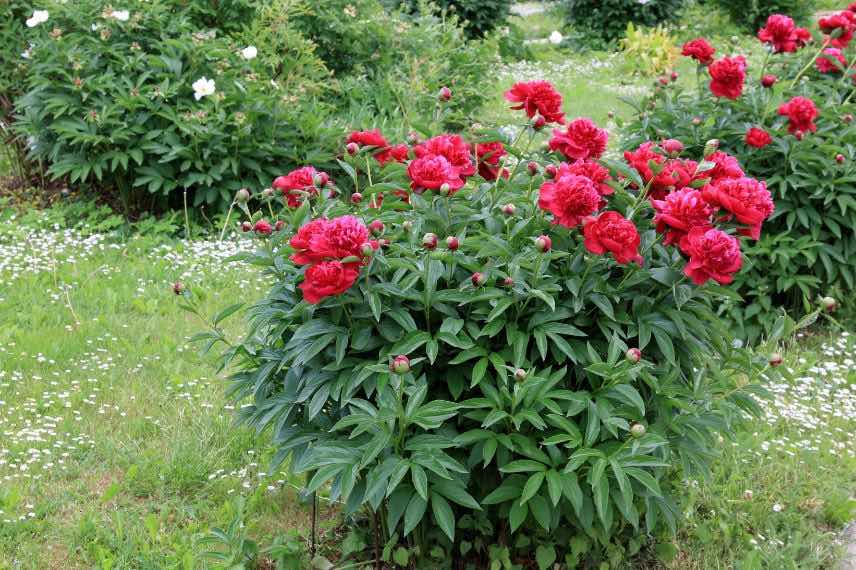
x: 810, y: 63
x: 186, y: 218
x: 226, y: 223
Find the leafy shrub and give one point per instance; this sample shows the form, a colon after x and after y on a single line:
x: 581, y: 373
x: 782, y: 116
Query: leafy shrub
x: 113, y: 103
x: 751, y: 14
x: 228, y: 16
x: 482, y: 383
x: 14, y: 56
x: 479, y: 17
x: 606, y: 20
x: 649, y: 51
x: 810, y: 250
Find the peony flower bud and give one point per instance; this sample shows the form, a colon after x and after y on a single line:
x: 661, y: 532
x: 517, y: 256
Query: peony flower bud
x: 366, y: 250
x: 509, y: 209
x: 279, y: 225
x: 637, y: 430
x: 400, y: 364
x: 696, y: 121
x: 674, y: 76
x: 610, y: 114
x: 267, y: 192
x: 356, y: 198
x: 520, y: 375
x: 242, y: 196
x: 178, y: 287
x: 532, y: 167
x: 478, y: 279
x: 663, y: 80
x: 429, y: 241
x: 539, y: 123
x: 748, y: 494
x: 543, y: 243
x: 376, y: 227
x: 263, y: 227
x: 445, y: 94
x: 246, y: 226
x: 550, y: 171
x: 352, y: 148
x: 407, y: 225
x: 634, y: 355
x: 320, y: 179
x: 839, y: 158
x: 848, y: 118
x: 798, y: 135
x: 711, y: 147
x: 829, y: 304
x: 776, y: 359
x: 452, y: 243
x: 769, y: 80
x: 445, y: 189
x: 413, y: 137
x: 672, y: 146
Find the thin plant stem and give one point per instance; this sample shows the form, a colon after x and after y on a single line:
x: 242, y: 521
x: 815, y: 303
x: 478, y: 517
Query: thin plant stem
x: 186, y: 218
x: 226, y: 223
x: 810, y: 63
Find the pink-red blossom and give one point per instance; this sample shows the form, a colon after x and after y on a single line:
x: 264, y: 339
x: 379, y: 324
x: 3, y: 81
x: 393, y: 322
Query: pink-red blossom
x: 537, y: 98
x: 713, y: 255
x: 612, y: 233
x: 581, y: 140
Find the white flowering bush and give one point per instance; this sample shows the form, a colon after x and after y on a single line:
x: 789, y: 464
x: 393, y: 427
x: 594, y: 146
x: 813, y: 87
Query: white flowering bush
x: 142, y: 105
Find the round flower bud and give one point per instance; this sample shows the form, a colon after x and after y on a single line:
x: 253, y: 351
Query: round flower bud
x: 696, y: 121
x: 664, y: 80
x: 400, y: 364
x: 356, y: 198
x: 637, y: 430
x: 776, y: 359
x: 520, y: 375
x: 711, y: 147
x: 413, y: 137
x: 478, y: 279
x: 352, y: 148
x: 839, y: 158
x: 509, y: 209
x: 263, y: 227
x: 539, y: 123
x: 366, y: 250
x: 550, y: 171
x: 543, y: 243
x: 246, y: 226
x: 508, y: 282
x: 769, y: 80
x: 829, y: 304
x: 532, y: 167
x: 279, y: 225
x: 798, y: 135
x: 407, y: 225
x: 848, y: 118
x: 429, y: 241
x: 376, y: 227
x: 674, y: 76
x: 242, y: 196
x: 384, y: 243
x: 320, y: 179
x: 445, y: 189
x: 178, y: 287
x: 267, y: 192
x: 452, y: 243
x: 610, y: 114
x: 445, y: 94
x: 634, y: 355
x: 748, y: 494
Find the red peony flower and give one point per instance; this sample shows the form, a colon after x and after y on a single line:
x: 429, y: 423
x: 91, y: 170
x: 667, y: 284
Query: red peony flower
x: 324, y: 239
x: 746, y: 198
x: 680, y: 212
x: 672, y: 146
x: 297, y: 184
x: 801, y: 113
x: 675, y: 174
x: 641, y: 157
x: 453, y: 148
x: 374, y: 138
x: 826, y: 63
x: 569, y: 198
x: 782, y: 34
x: 727, y: 76
x: 759, y: 138
x: 713, y: 255
x: 397, y: 153
x: 328, y: 278
x: 537, y: 98
x: 591, y: 170
x: 430, y: 172
x: 489, y: 155
x: 839, y: 25
x: 725, y: 166
x: 581, y: 140
x: 700, y: 50
x: 611, y: 232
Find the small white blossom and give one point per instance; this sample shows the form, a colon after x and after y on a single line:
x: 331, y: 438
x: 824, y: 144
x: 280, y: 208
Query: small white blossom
x: 556, y: 37
x: 121, y: 15
x: 203, y: 87
x: 38, y: 17
x: 249, y: 52
x: 777, y: 508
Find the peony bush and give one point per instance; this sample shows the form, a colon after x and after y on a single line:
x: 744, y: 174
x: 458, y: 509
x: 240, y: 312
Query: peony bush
x: 490, y: 350
x: 787, y: 120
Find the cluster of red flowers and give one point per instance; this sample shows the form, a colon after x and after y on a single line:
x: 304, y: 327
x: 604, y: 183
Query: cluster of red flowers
x: 384, y: 152
x: 300, y: 183
x: 727, y: 76
x: 826, y: 63
x: 334, y: 250
x: 839, y: 27
x: 538, y: 99
x: 782, y: 35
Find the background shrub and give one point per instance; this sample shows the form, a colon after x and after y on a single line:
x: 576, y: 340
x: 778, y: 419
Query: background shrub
x: 649, y: 51
x: 752, y: 14
x: 111, y: 104
x: 227, y: 16
x: 605, y: 21
x: 478, y: 17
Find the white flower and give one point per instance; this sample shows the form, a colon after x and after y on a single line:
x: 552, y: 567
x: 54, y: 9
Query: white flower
x: 777, y: 508
x: 556, y: 37
x: 203, y: 87
x: 121, y: 15
x: 38, y: 17
x: 249, y: 52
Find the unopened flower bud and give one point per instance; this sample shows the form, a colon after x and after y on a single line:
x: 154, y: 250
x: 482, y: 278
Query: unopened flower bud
x: 356, y: 198
x: 267, y: 192
x: 320, y: 179
x: 776, y: 359
x: 839, y: 158
x: 445, y: 94
x: 848, y: 118
x: 696, y: 121
x: 429, y: 241
x: 508, y: 282
x: 452, y: 243
x: 178, y: 287
x: 366, y: 250
x: 242, y: 196
x: 352, y: 148
x: 674, y: 76
x: 376, y: 227
x: 672, y: 146
x: 263, y: 227
x: 445, y: 189
x: 539, y: 123
x: 407, y: 225
x: 509, y: 209
x: 748, y: 494
x: 478, y: 279
x: 769, y: 80
x: 610, y: 114
x: 413, y: 137
x: 543, y: 243
x: 664, y: 80
x: 634, y: 355
x: 532, y: 167
x: 798, y: 135
x: 520, y: 375
x: 829, y: 304
x: 637, y: 430
x: 711, y: 147
x: 246, y: 226
x: 279, y: 225
x: 400, y: 364
x: 550, y: 171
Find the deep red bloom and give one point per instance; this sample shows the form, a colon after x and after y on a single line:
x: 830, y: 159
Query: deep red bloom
x: 713, y: 255
x: 263, y: 227
x: 430, y: 172
x: 397, y: 153
x: 700, y: 50
x: 726, y: 166
x: 537, y: 98
x: 782, y: 34
x: 680, y: 212
x: 591, y: 170
x: 324, y: 239
x: 489, y: 155
x: 826, y: 63
x: 368, y: 138
x: 453, y: 148
x: 297, y: 184
x: 759, y: 138
x: 746, y: 198
x: 840, y: 25
x: 675, y: 174
x: 727, y: 76
x: 611, y: 232
x: 569, y: 198
x: 640, y: 158
x: 328, y: 278
x: 801, y: 113
x: 581, y: 140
